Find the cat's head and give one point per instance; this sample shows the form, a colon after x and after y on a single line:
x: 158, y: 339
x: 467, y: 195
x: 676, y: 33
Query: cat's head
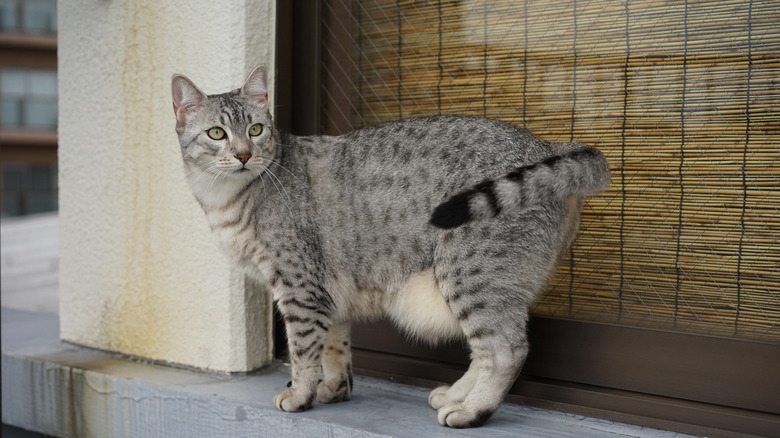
x: 228, y: 135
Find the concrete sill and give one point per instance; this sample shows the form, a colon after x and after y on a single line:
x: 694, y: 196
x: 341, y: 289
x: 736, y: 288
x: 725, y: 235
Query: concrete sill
x: 63, y: 390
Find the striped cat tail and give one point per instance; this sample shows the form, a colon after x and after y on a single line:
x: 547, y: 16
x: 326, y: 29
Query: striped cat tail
x: 578, y: 169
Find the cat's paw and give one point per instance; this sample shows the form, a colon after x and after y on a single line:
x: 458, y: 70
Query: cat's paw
x: 334, y: 392
x: 290, y: 401
x: 458, y: 416
x: 439, y: 397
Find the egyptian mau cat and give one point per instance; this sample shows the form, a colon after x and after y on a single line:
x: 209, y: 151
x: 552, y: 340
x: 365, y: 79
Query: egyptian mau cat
x: 388, y: 220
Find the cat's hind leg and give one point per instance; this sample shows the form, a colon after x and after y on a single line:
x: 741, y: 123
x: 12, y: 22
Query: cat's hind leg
x: 336, y: 366
x: 488, y: 274
x: 493, y: 318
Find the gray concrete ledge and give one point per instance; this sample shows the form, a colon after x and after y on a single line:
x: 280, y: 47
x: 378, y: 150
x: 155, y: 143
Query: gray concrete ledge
x: 63, y: 390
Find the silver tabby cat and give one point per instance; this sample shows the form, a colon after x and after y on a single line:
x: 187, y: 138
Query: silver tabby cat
x: 388, y: 220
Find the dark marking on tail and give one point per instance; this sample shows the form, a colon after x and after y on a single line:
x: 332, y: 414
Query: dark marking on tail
x: 452, y: 213
x: 455, y: 211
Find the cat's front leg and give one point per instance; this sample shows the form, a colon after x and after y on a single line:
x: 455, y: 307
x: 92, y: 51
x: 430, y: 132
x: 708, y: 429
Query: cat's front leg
x: 337, y: 366
x: 307, y: 323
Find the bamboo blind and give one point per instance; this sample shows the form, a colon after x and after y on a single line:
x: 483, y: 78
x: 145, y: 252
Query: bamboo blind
x: 682, y: 96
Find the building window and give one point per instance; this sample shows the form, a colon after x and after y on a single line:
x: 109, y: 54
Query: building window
x: 28, y: 99
x: 28, y: 189
x: 28, y: 16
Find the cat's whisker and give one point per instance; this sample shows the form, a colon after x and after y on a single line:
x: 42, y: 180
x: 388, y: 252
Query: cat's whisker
x: 211, y: 175
x: 276, y: 163
x: 199, y: 172
x: 274, y: 179
x: 220, y: 175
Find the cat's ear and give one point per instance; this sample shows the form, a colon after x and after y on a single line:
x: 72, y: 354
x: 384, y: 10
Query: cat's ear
x: 256, y: 85
x: 186, y: 96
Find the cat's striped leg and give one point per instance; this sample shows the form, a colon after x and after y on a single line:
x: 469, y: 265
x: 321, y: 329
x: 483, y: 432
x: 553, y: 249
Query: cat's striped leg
x: 489, y: 273
x: 307, y: 327
x: 336, y: 366
x: 495, y: 330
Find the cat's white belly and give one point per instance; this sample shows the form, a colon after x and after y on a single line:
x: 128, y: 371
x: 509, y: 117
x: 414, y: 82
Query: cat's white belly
x: 417, y: 307
x: 420, y: 310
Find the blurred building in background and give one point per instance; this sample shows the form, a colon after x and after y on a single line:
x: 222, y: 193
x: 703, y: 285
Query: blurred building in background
x: 28, y: 106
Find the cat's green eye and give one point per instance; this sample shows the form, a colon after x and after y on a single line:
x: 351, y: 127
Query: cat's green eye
x: 216, y: 133
x: 256, y: 129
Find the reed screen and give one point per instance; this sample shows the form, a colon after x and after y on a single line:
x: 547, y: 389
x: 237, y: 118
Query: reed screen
x: 682, y: 97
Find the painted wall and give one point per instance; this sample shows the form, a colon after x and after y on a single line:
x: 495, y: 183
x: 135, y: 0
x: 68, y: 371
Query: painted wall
x: 140, y: 272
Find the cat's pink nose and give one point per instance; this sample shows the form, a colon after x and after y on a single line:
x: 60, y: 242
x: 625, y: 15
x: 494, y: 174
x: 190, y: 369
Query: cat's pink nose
x: 244, y: 157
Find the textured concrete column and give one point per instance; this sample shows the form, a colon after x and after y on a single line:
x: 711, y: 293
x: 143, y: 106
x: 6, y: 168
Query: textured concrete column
x: 140, y: 271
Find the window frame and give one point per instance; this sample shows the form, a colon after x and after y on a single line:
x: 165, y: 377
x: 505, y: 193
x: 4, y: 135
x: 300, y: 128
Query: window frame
x: 685, y: 382
x: 23, y: 102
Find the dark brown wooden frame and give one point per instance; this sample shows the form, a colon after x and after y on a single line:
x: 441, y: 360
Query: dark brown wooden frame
x: 689, y: 383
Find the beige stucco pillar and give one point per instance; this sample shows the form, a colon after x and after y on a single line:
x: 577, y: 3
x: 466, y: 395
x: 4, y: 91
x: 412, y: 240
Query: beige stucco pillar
x: 140, y: 272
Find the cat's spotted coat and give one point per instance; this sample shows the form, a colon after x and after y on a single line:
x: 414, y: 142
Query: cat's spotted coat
x: 449, y: 226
